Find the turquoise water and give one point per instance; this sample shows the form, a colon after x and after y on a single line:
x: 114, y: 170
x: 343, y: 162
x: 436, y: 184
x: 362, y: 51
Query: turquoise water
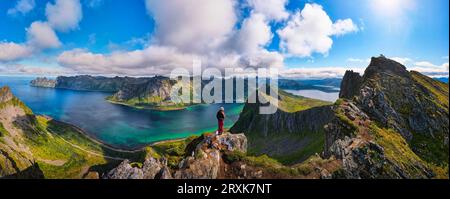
x: 118, y: 125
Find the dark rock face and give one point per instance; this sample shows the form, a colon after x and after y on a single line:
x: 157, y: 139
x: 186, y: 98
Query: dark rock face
x: 293, y: 131
x: 311, y: 120
x: 43, y: 82
x: 5, y: 94
x: 350, y: 85
x: 90, y: 83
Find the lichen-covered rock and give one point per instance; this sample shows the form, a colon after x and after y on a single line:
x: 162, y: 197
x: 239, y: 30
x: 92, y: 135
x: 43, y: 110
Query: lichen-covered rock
x: 151, y: 168
x: 125, y: 171
x: 5, y: 94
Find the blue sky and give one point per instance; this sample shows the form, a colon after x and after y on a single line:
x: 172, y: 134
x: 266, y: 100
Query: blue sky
x: 145, y: 37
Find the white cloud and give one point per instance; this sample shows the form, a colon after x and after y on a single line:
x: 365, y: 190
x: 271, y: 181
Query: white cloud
x: 272, y: 9
x: 64, y: 15
x: 424, y: 64
x: 152, y: 60
x: 22, y: 6
x: 342, y: 27
x: 254, y: 34
x: 309, y: 31
x: 192, y: 25
x: 10, y: 51
x: 402, y: 60
x: 357, y: 60
x: 427, y: 67
x: 41, y: 36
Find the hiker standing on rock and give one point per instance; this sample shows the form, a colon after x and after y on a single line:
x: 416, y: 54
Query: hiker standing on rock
x: 220, y: 118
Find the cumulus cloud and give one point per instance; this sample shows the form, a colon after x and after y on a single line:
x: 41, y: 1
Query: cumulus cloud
x: 309, y: 31
x: 10, y: 51
x: 430, y: 69
x: 342, y: 27
x: 254, y: 34
x: 64, y: 15
x: 41, y: 35
x: 22, y: 6
x: 192, y: 25
x: 272, y: 9
x: 150, y: 61
x: 185, y: 31
x: 402, y: 60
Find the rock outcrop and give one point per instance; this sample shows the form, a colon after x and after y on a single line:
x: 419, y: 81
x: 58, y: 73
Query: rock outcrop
x: 5, y: 94
x: 203, y: 162
x: 350, y: 84
x: 392, y: 124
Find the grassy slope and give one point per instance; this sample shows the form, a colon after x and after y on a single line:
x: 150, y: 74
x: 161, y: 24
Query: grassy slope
x: 78, y: 152
x: 422, y: 150
x: 432, y: 149
x: 60, y: 150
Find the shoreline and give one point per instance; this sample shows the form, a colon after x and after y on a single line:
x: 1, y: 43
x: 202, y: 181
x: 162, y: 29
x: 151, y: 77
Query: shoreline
x: 147, y: 108
x: 114, y: 148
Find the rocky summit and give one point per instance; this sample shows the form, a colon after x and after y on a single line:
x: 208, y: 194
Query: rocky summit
x: 390, y: 123
x: 203, y: 160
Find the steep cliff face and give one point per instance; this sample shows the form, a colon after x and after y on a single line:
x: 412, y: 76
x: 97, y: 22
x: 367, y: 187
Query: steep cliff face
x: 290, y: 135
x: 395, y: 126
x: 350, y: 84
x: 90, y: 83
x: 153, y: 93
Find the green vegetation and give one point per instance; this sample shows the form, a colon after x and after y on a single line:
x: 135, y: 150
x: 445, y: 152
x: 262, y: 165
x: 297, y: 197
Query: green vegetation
x: 174, y: 150
x: 398, y: 150
x: 431, y: 149
x: 439, y: 89
x: 163, y: 106
x: 292, y: 103
x: 309, y: 143
x: 3, y: 131
x: 64, y: 152
x: 303, y: 170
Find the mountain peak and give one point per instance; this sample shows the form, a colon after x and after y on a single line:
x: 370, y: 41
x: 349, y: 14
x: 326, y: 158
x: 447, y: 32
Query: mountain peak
x: 382, y: 64
x: 5, y: 94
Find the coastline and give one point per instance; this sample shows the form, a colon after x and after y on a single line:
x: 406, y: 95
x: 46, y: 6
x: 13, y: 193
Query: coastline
x: 155, y: 108
x: 106, y: 145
